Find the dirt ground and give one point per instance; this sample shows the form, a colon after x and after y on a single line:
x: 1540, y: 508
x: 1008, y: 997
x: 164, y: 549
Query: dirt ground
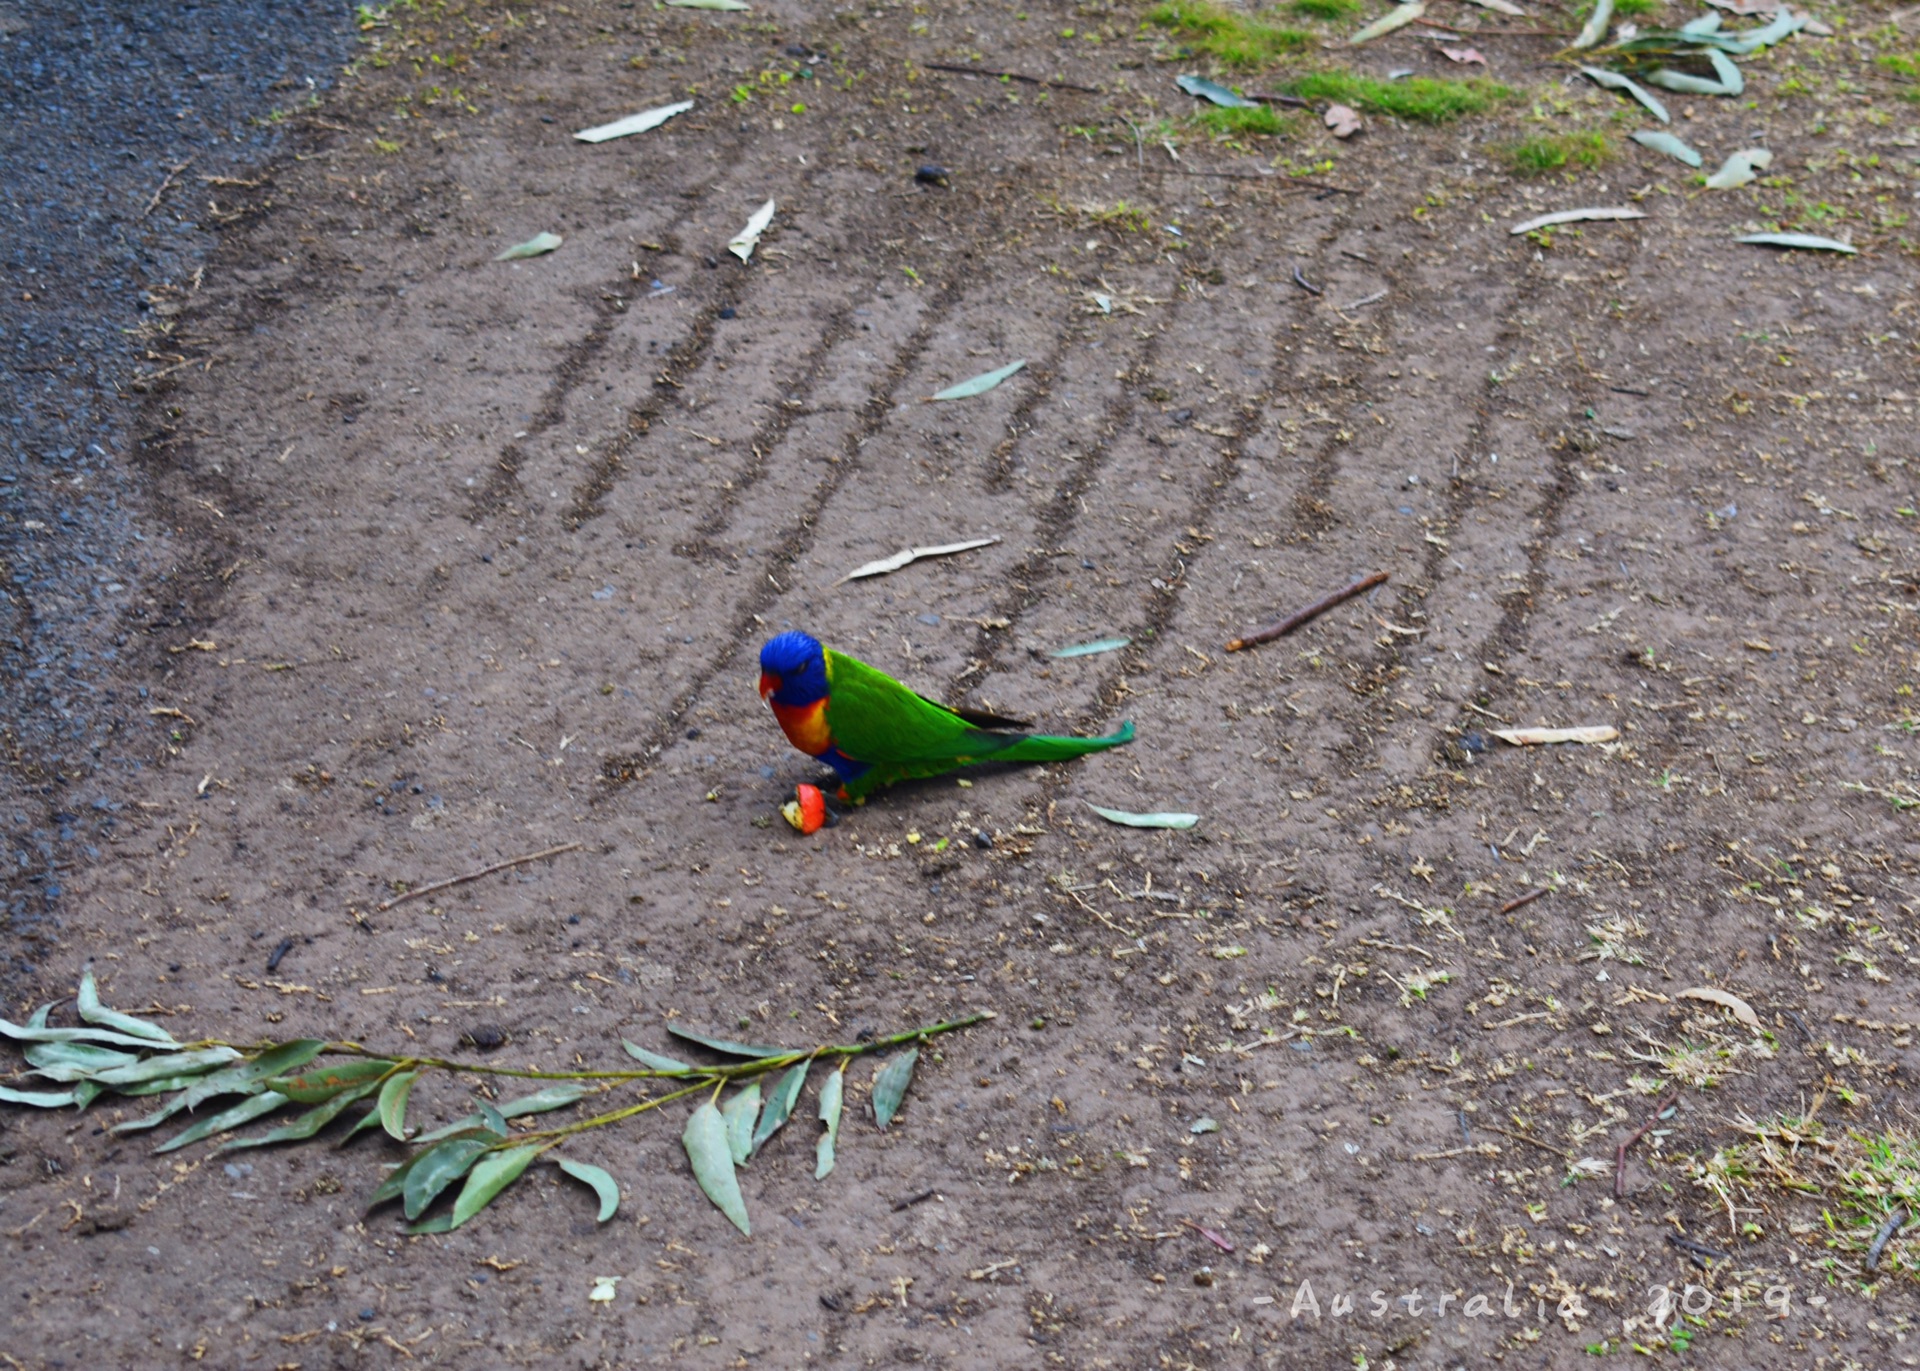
x: 485, y: 552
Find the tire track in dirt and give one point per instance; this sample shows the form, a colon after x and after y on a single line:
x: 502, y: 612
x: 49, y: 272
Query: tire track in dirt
x: 620, y: 769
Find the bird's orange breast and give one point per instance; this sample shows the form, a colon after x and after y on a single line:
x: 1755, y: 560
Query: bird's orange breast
x: 805, y: 726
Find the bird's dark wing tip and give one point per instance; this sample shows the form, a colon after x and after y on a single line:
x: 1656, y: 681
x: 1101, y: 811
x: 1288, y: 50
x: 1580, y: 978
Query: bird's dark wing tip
x: 980, y: 718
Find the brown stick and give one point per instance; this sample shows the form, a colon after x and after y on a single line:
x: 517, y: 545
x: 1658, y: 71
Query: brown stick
x: 1526, y: 899
x: 1008, y: 76
x: 1311, y: 612
x: 452, y: 881
x: 165, y: 182
x: 1620, y: 1152
x: 1559, y: 1152
x: 1254, y: 176
x: 1218, y: 1240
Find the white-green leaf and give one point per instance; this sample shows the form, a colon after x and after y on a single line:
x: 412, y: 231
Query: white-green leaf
x: 304, y: 1126
x: 393, y: 1103
x: 1685, y: 83
x: 978, y: 385
x: 1706, y: 23
x: 634, y: 123
x: 708, y: 5
x: 249, y: 1109
x: 1596, y: 26
x: 173, y: 1064
x: 31, y: 1032
x: 1663, y: 142
x: 1575, y: 216
x: 711, y: 1156
x: 1132, y: 820
x: 780, y: 1103
x: 433, y: 1171
x: 87, y: 1002
x: 744, y: 242
x: 553, y: 1097
x: 741, y: 1113
x: 603, y: 1185
x: 1812, y: 242
x: 1729, y: 74
x: 1398, y: 18
x: 1784, y: 23
x: 66, y: 1062
x: 654, y: 1060
x: 1214, y: 91
x: 1206, y: 1123
x: 726, y: 1045
x: 39, y: 1099
x: 1740, y: 168
x: 1613, y: 80
x: 490, y: 1175
x: 1098, y: 645
x: 535, y: 246
x: 890, y: 1086
x: 830, y: 1097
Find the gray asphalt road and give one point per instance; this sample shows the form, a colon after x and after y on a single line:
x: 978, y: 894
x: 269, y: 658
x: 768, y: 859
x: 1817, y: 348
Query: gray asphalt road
x: 101, y: 104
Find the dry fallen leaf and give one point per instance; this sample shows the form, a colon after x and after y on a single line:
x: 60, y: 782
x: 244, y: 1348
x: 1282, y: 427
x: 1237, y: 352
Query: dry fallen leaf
x: 1343, y: 121
x: 912, y: 554
x: 1524, y: 737
x: 1742, y: 1011
x: 1465, y: 55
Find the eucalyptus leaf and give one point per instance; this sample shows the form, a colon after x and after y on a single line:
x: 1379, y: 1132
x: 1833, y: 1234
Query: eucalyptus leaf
x: 249, y: 1109
x: 978, y: 385
x: 741, y: 1113
x: 1663, y: 142
x: 1669, y: 79
x: 1131, y: 820
x: 1812, y: 242
x: 711, y: 1156
x: 1575, y: 216
x: 537, y: 246
x: 437, y: 1168
x: 366, y: 1123
x: 1740, y: 168
x: 39, y: 1099
x: 495, y: 1119
x: 780, y: 1103
x: 314, y: 1086
x: 87, y: 1003
x: 394, y: 1186
x: 634, y: 123
x: 1729, y: 74
x: 709, y: 4
x: 539, y: 1102
x: 1214, y: 91
x: 162, y: 1085
x: 890, y: 1086
x: 393, y: 1102
x: 1596, y: 26
x: 36, y: 1031
x: 655, y: 1060
x: 1706, y: 23
x: 84, y: 1093
x: 308, y: 1123
x: 1094, y: 648
x: 830, y: 1097
x: 743, y: 243
x: 603, y: 1185
x: 74, y: 1061
x: 726, y: 1045
x: 490, y: 1175
x: 439, y: 1223
x: 169, y: 1064
x: 1613, y: 80
x: 1398, y: 18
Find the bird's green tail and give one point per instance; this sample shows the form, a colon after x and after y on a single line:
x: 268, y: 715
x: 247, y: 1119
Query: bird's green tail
x: 1041, y: 747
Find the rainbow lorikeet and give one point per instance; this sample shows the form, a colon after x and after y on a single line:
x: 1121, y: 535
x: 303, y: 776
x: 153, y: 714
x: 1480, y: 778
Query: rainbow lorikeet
x: 874, y: 731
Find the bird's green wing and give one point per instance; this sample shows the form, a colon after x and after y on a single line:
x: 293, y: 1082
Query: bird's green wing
x: 876, y: 719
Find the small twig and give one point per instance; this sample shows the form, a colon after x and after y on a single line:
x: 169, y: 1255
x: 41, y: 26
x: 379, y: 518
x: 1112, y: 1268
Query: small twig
x: 1304, y: 284
x: 1536, y: 893
x: 1628, y: 390
x: 1559, y: 1152
x: 1256, y: 176
x: 1009, y: 76
x: 1311, y: 612
x: 1620, y: 1152
x: 1139, y: 145
x: 1216, y: 1239
x: 911, y: 1200
x: 1884, y: 1235
x: 286, y: 946
x: 1290, y: 101
x: 165, y: 182
x: 1372, y: 299
x: 1697, y: 1249
x: 451, y: 881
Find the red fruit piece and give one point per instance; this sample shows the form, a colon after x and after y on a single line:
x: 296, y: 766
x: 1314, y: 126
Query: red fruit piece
x: 808, y: 811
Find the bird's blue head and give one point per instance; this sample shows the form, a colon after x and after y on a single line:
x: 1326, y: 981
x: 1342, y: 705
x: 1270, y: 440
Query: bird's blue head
x: 793, y: 670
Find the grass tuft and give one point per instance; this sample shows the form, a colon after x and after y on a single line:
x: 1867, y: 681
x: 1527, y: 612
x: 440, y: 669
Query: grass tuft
x: 1325, y: 9
x: 1545, y: 153
x: 1262, y: 119
x: 1418, y: 98
x: 1234, y: 39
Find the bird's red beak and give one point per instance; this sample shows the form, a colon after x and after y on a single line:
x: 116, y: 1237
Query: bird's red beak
x: 768, y: 684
